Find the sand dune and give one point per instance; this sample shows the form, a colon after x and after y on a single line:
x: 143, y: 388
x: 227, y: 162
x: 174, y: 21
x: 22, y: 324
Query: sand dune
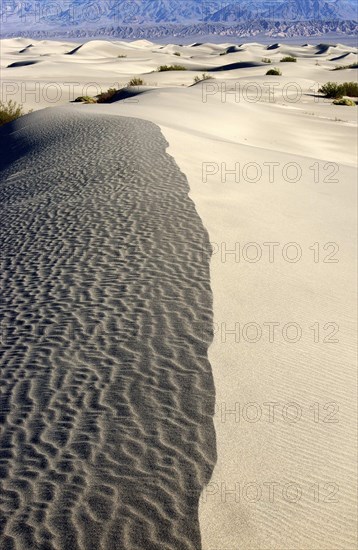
x: 347, y: 57
x: 84, y: 69
x: 98, y: 48
x: 100, y: 250
x: 106, y: 306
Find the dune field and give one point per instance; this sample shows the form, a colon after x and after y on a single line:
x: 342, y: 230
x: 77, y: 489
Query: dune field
x: 178, y: 312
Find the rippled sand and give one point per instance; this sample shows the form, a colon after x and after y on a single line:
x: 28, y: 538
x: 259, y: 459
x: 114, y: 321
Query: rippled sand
x: 107, y: 317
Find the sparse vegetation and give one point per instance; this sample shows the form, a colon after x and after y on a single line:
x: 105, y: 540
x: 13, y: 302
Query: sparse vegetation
x: 274, y: 72
x: 121, y: 56
x: 344, y: 101
x: 204, y: 76
x: 85, y: 99
x: 266, y: 60
x: 105, y: 97
x: 164, y: 68
x: 136, y: 81
x: 333, y: 90
x: 10, y: 111
x: 223, y: 53
x: 341, y: 67
x: 177, y: 53
x: 350, y: 89
x: 288, y: 59
x: 330, y: 89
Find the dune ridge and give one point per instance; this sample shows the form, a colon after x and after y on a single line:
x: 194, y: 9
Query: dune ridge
x: 107, y: 317
x: 216, y: 131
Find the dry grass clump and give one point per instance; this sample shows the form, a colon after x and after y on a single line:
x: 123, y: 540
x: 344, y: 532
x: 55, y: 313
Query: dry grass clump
x: 334, y: 90
x: 288, y: 59
x: 136, y: 81
x: 344, y: 101
x: 341, y: 67
x: 85, y: 99
x: 204, y: 76
x: 10, y: 111
x: 274, y: 72
x: 164, y: 68
x: 105, y: 97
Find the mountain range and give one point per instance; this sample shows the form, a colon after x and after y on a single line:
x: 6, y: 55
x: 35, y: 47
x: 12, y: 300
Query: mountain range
x: 146, y: 18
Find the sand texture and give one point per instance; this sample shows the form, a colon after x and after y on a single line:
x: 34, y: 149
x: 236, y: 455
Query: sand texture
x: 107, y: 317
x: 282, y: 481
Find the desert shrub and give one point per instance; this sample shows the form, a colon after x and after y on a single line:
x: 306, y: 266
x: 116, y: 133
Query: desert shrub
x: 344, y: 101
x: 204, y: 76
x: 274, y: 72
x: 85, y: 99
x: 334, y: 90
x: 136, y: 81
x: 330, y: 89
x: 350, y: 89
x: 177, y: 53
x: 10, y: 111
x: 121, y: 56
x: 266, y: 60
x: 164, y: 68
x: 341, y: 67
x: 105, y: 97
x: 288, y: 59
x: 223, y: 53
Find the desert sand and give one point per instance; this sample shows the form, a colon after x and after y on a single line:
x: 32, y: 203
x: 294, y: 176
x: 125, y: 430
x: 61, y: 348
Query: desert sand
x: 236, y: 199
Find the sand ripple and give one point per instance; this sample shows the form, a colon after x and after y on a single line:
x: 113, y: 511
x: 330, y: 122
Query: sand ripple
x: 106, y: 319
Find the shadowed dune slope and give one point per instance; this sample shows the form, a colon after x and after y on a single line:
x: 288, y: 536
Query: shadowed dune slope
x: 324, y: 48
x: 25, y: 50
x: 24, y: 63
x: 238, y: 65
x: 107, y: 317
x: 75, y: 50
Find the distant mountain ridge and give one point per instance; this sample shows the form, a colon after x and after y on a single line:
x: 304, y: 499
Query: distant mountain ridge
x: 150, y: 17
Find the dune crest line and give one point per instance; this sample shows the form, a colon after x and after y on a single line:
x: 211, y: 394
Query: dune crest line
x: 106, y: 318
